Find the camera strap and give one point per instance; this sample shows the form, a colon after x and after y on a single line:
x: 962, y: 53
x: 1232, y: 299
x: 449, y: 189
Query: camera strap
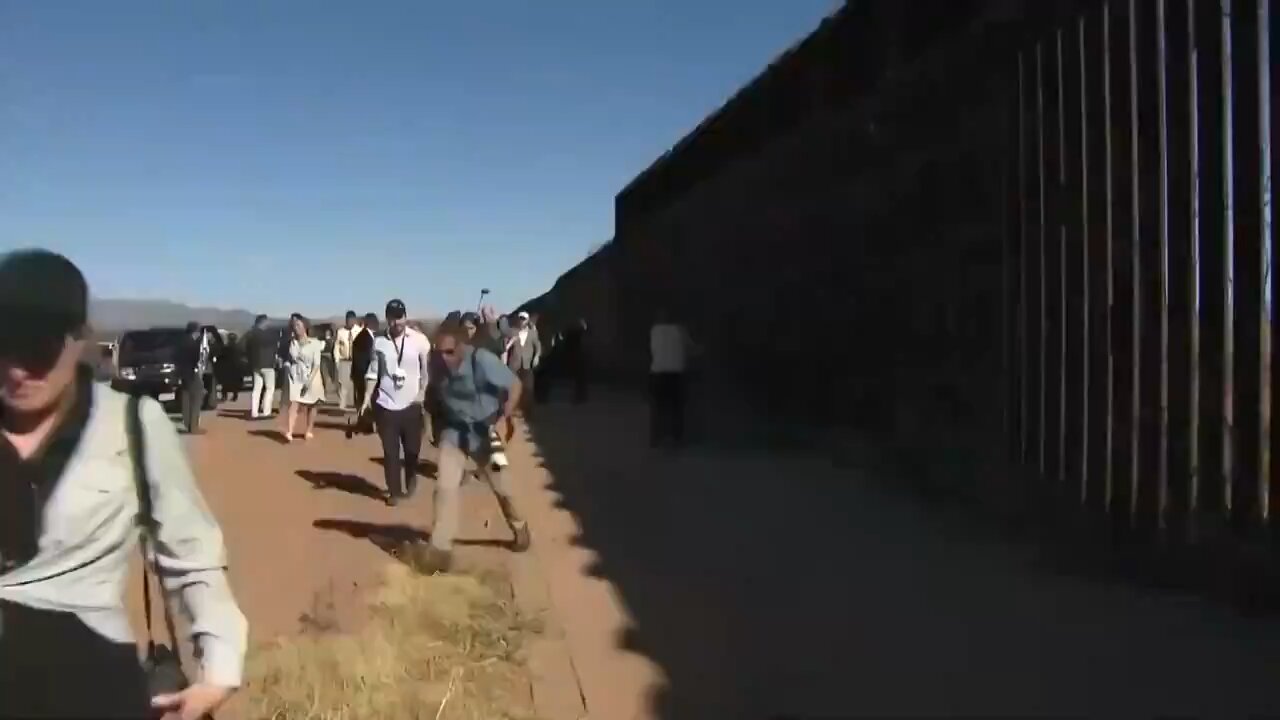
x: 404, y: 337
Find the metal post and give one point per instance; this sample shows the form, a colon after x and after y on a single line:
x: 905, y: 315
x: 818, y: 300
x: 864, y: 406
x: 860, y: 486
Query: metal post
x: 1084, y: 266
x: 1264, y: 150
x: 1044, y: 308
x: 1162, y: 278
x: 1024, y: 345
x: 1060, y: 211
x: 1228, y: 241
x: 1193, y: 109
x: 1110, y: 238
x: 1135, y: 174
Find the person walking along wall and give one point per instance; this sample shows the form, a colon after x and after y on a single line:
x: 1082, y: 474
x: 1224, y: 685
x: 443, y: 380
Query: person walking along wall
x: 342, y: 353
x: 70, y: 504
x: 306, y: 384
x: 260, y: 351
x: 478, y: 392
x: 524, y: 351
x: 669, y: 350
x: 397, y: 379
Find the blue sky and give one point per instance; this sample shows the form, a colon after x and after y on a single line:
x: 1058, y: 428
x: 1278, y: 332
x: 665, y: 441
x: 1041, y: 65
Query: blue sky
x: 324, y: 154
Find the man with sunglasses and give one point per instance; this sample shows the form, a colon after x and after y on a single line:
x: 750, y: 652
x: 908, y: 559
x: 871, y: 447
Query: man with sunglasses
x: 70, y: 520
x: 477, y: 391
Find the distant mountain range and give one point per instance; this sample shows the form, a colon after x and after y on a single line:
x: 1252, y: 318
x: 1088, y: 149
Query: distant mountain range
x: 112, y: 316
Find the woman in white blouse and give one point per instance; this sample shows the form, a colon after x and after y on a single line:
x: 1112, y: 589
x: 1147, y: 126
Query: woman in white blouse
x: 306, y: 384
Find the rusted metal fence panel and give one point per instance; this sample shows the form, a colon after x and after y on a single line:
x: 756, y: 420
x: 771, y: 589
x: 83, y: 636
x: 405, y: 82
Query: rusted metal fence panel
x: 1141, y: 332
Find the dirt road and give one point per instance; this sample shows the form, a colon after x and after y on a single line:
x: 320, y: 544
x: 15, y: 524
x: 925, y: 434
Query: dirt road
x: 306, y: 529
x: 732, y: 584
x: 305, y: 524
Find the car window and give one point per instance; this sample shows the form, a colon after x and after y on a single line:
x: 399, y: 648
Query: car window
x: 150, y: 340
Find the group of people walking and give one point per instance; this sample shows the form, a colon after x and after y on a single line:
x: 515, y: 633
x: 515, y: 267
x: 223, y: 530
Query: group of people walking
x: 71, y: 511
x: 394, y: 381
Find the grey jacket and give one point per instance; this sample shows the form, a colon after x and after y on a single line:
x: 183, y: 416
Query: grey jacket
x: 523, y: 356
x: 91, y: 533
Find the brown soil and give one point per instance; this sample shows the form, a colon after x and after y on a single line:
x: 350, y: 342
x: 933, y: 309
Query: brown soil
x: 308, y: 536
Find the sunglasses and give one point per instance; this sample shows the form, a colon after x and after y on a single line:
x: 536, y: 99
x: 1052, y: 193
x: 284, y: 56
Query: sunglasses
x: 35, y: 351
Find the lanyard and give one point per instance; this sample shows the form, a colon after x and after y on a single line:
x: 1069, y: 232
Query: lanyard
x: 400, y: 353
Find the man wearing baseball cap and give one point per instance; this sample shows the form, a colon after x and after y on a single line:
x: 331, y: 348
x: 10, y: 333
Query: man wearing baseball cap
x: 397, y: 381
x: 523, y: 353
x: 70, y: 520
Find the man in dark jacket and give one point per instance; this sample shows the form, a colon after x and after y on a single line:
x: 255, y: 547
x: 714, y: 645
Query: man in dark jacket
x: 362, y: 356
x: 230, y: 368
x: 260, y: 353
x: 572, y: 358
x: 193, y: 360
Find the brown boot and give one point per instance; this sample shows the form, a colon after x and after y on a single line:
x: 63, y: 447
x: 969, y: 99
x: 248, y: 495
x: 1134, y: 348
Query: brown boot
x: 429, y: 559
x: 522, y: 538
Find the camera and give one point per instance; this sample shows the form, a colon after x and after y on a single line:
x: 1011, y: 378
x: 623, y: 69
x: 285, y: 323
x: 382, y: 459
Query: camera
x: 398, y: 377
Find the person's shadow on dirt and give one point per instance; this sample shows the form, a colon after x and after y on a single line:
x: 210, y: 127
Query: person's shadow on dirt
x: 275, y: 435
x: 347, y: 483
x: 426, y: 468
x: 391, y: 539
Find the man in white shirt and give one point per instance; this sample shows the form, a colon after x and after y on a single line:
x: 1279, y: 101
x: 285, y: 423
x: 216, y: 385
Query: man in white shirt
x: 669, y: 350
x: 397, y: 387
x: 342, y: 352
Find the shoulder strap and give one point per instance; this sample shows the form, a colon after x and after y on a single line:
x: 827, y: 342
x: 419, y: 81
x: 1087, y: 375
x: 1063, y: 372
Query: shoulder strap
x: 475, y: 370
x: 146, y: 521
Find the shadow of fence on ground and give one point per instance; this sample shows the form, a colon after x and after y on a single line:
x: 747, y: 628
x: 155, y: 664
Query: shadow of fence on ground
x: 773, y: 584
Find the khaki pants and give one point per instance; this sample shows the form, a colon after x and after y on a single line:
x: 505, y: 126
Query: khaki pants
x: 448, y: 495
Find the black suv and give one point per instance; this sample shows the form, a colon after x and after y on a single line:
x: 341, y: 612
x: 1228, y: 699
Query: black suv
x: 146, y: 363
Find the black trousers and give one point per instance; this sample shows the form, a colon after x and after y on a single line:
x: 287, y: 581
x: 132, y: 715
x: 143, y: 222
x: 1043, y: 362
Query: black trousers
x: 52, y: 665
x: 666, y: 407
x: 528, y: 392
x: 192, y: 402
x: 360, y: 386
x: 400, y: 429
x: 435, y: 412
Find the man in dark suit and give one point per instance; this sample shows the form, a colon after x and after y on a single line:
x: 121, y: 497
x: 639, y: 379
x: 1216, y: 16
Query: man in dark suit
x: 572, y: 361
x: 362, y: 356
x: 193, y: 358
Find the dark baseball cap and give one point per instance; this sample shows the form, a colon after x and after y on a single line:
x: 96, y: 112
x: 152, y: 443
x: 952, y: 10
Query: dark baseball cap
x: 395, y: 310
x: 43, y: 286
x: 43, y: 298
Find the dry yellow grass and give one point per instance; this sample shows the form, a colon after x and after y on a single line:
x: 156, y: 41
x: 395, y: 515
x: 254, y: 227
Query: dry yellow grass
x: 444, y: 647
